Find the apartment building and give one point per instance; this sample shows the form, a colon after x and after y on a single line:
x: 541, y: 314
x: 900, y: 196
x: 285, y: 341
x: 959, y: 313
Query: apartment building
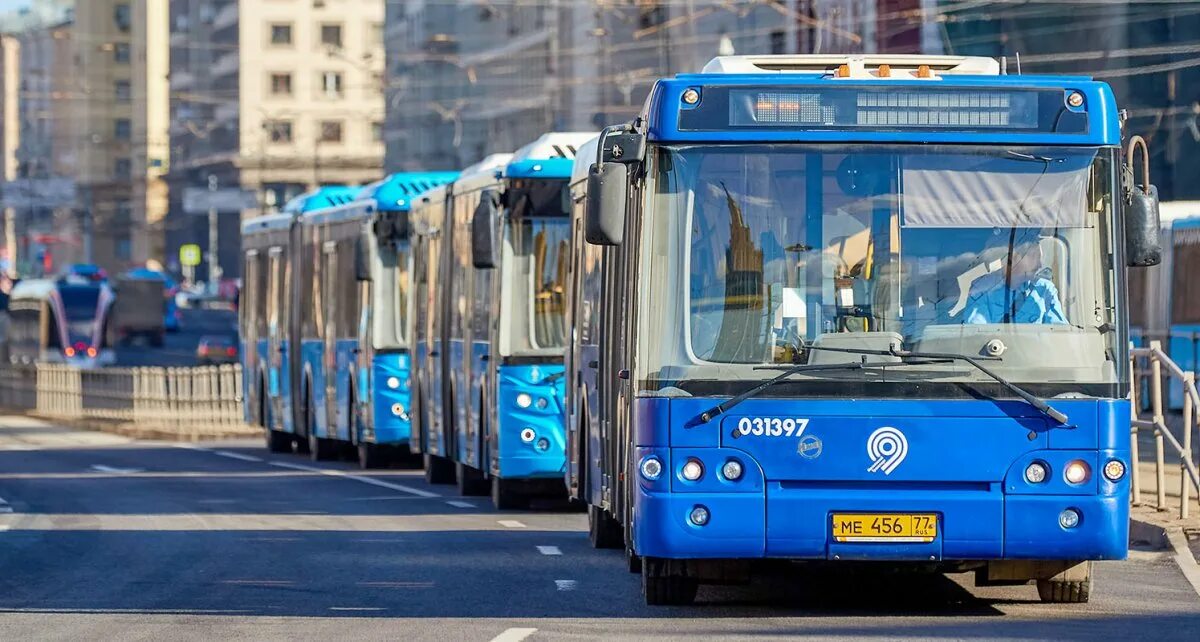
x: 469, y: 78
x: 274, y: 97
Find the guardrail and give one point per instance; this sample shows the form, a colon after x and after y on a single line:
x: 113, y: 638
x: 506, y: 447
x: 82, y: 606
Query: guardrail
x: 1151, y: 366
x: 187, y: 402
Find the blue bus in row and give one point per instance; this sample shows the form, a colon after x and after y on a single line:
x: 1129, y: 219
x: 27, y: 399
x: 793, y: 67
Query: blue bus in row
x: 856, y: 310
x: 323, y: 320
x: 490, y: 273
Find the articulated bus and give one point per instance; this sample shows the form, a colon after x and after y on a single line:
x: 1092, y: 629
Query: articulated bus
x: 503, y: 253
x: 60, y: 321
x: 858, y: 310
x: 271, y: 315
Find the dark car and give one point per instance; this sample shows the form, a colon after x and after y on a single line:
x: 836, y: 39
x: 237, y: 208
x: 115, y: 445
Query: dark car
x: 215, y: 349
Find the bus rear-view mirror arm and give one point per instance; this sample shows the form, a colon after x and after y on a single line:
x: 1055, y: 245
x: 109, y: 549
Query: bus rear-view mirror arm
x: 483, y: 230
x: 608, y: 184
x: 1143, y: 246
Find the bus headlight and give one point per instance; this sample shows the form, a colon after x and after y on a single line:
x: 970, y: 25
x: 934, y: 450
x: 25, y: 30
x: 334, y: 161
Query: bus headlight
x: 543, y: 444
x: 651, y: 468
x: 1076, y: 472
x: 398, y: 410
x: 1036, y: 472
x: 1069, y: 518
x: 528, y: 435
x: 693, y: 469
x: 542, y: 403
x: 1114, y: 470
x: 393, y: 382
x: 732, y: 470
x: 699, y: 515
x: 524, y: 400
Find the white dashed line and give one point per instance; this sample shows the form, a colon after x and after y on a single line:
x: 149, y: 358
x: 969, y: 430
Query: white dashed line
x: 549, y: 550
x: 510, y: 523
x: 514, y: 635
x: 458, y: 504
x: 237, y: 456
x: 3, y: 527
x: 566, y: 585
x: 116, y: 471
x: 358, y: 478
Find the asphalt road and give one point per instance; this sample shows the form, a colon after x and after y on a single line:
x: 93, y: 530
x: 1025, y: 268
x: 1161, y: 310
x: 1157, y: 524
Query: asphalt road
x: 103, y: 538
x: 179, y: 348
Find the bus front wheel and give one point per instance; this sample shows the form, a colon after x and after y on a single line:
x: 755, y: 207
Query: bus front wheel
x: 603, y: 530
x: 665, y: 582
x: 1072, y: 586
x: 278, y: 442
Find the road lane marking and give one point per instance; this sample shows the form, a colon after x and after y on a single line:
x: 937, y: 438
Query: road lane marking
x: 514, y: 635
x: 263, y: 583
x: 394, y: 584
x: 549, y: 550
x: 458, y: 504
x: 566, y: 585
x: 357, y: 608
x: 112, y: 470
x: 358, y: 478
x: 510, y: 523
x: 237, y: 456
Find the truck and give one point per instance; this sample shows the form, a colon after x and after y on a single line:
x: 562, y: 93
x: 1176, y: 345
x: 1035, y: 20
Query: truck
x: 138, y: 311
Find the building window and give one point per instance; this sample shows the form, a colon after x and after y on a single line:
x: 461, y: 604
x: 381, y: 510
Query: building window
x: 121, y: 53
x: 280, y: 131
x: 375, y: 31
x: 123, y: 168
x: 123, y: 248
x: 377, y: 132
x: 123, y: 91
x: 331, y: 35
x: 281, y: 84
x: 281, y: 34
x: 331, y: 131
x: 122, y: 129
x: 331, y: 84
x: 122, y: 17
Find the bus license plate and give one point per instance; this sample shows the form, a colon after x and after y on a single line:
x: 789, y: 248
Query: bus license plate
x: 884, y: 527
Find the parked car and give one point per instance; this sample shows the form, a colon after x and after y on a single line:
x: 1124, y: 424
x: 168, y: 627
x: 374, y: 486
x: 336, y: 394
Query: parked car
x: 216, y: 349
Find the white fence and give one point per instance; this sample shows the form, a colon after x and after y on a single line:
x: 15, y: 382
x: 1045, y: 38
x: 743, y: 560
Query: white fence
x: 1154, y: 373
x: 188, y: 402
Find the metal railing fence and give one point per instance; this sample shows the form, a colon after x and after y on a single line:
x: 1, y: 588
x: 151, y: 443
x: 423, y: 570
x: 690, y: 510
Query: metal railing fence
x: 185, y: 401
x: 1153, y: 371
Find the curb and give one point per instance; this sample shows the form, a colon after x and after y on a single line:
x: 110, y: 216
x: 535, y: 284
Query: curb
x: 1170, y: 538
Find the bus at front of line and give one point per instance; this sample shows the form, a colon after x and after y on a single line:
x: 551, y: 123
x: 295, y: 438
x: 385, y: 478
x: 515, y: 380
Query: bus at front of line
x: 845, y: 309
x: 275, y: 314
x: 361, y: 285
x: 507, y: 239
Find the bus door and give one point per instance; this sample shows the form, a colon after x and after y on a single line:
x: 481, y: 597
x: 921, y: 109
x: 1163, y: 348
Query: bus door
x: 329, y: 300
x: 274, y: 358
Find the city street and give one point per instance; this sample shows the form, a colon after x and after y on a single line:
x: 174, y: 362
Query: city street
x: 104, y: 537
x: 179, y: 348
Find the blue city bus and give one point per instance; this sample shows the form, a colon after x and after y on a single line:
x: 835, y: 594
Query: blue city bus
x: 360, y: 285
x: 506, y: 238
x: 856, y: 309
x: 275, y: 271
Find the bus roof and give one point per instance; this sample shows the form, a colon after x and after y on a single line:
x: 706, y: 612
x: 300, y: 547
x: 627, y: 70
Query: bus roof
x: 879, y: 98
x: 584, y: 159
x: 1180, y: 214
x: 397, y: 192
x: 550, y: 156
x: 326, y: 196
x: 265, y: 223
x: 33, y: 289
x: 482, y: 174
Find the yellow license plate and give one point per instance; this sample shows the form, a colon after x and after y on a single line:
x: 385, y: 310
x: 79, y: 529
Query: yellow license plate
x: 884, y: 527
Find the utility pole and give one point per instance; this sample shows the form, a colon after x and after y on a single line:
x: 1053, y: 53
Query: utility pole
x: 214, y: 266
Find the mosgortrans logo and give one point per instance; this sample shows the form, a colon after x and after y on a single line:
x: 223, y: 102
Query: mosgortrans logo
x: 886, y: 447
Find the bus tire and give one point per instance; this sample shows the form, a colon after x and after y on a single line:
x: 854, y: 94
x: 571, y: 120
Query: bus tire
x: 1073, y: 586
x: 665, y: 582
x: 278, y: 442
x: 371, y: 456
x: 470, y: 481
x: 322, y: 449
x: 503, y: 497
x: 633, y: 561
x: 603, y: 530
x: 438, y: 470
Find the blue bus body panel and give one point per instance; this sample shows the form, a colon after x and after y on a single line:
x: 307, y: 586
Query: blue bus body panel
x: 540, y: 168
x: 962, y: 460
x: 666, y: 105
x: 390, y: 429
x: 312, y: 354
x: 345, y: 360
x: 525, y: 460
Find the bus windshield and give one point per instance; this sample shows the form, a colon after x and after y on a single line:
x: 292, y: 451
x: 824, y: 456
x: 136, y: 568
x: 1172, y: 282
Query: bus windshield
x: 767, y: 254
x: 533, y: 283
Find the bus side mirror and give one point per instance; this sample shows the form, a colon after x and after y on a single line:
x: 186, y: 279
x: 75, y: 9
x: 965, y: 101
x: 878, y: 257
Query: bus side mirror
x: 1143, y: 245
x: 362, y: 258
x: 607, y: 193
x: 483, y: 230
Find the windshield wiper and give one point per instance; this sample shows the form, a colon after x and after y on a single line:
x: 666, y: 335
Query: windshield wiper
x: 728, y: 404
x: 552, y: 378
x: 894, y: 351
